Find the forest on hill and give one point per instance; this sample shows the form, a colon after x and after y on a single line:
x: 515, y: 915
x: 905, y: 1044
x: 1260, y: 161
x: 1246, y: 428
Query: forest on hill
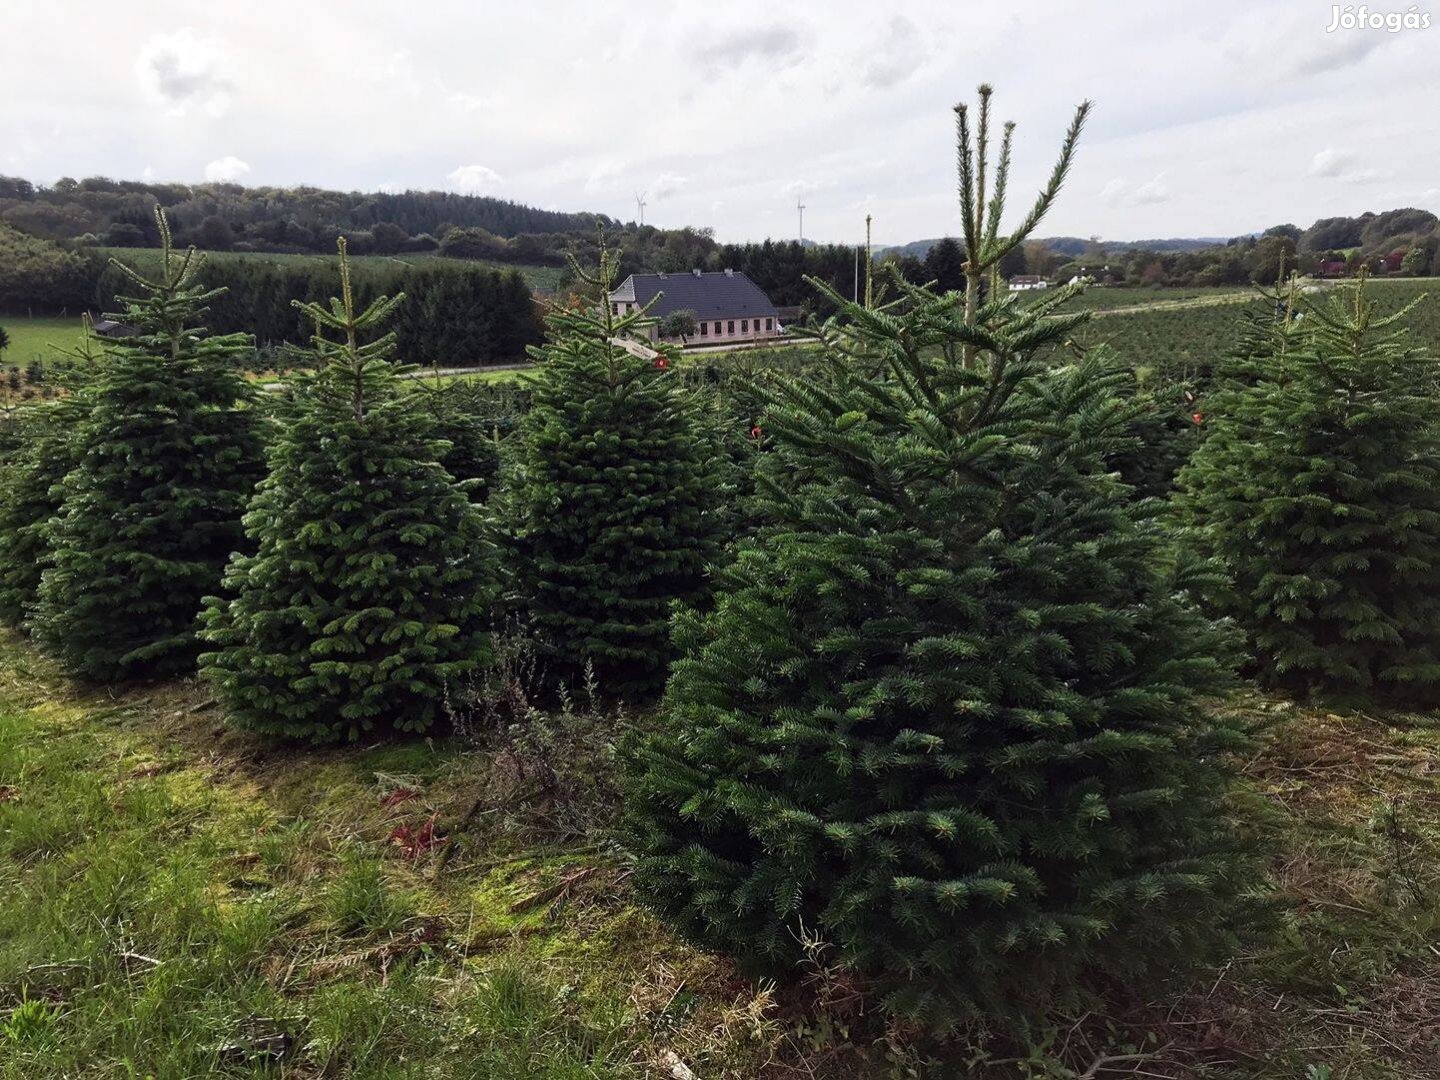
x: 1402, y: 241
x: 218, y: 216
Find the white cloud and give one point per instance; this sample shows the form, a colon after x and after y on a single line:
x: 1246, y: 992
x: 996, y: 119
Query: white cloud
x: 796, y: 188
x: 474, y: 179
x: 472, y: 102
x: 897, y: 56
x: 777, y: 46
x: 1152, y: 191
x: 181, y: 70
x: 667, y: 184
x: 1332, y: 162
x: 1119, y: 193
x: 226, y: 170
x: 1344, y: 166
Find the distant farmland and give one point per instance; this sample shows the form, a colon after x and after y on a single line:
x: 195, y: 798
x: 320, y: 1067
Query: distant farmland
x: 1170, y: 329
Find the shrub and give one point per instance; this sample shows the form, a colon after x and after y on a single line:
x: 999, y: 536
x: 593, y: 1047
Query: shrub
x: 1318, y: 487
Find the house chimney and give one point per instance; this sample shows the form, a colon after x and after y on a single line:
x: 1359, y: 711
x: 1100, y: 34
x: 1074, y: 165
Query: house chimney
x: 729, y: 272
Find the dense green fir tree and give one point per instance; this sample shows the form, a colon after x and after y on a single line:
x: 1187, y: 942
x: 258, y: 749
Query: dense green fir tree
x: 367, y: 602
x: 1318, y: 487
x: 1165, y: 433
x: 474, y: 419
x: 170, y: 456
x: 614, y: 497
x: 31, y: 482
x: 945, y: 715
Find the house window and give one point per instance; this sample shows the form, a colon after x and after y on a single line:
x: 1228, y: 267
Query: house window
x: 614, y: 309
x: 704, y: 329
x: 769, y: 324
x: 730, y: 327
x: 744, y: 326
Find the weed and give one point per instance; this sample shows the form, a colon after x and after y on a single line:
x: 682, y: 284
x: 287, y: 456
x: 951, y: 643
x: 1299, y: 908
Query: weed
x: 360, y: 900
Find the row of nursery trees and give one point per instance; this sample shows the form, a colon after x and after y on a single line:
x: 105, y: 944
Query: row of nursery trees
x: 937, y: 684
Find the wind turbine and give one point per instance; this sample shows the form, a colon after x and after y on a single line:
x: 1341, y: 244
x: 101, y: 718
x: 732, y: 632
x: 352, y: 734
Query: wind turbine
x: 640, y: 205
x: 800, y: 209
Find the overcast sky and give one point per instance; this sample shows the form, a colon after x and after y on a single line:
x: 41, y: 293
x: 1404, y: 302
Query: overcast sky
x: 1211, y: 118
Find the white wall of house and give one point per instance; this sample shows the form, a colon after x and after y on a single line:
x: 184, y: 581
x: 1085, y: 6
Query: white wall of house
x: 743, y: 328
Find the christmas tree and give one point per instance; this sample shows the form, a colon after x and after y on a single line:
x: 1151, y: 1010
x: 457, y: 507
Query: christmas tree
x: 170, y: 456
x: 474, y: 419
x: 368, y: 598
x: 945, y: 716
x: 32, y: 483
x: 614, y: 501
x: 1318, y: 487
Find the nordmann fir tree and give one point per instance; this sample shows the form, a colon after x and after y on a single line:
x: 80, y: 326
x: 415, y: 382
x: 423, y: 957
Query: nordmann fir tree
x: 32, y: 483
x: 1318, y: 487
x: 170, y: 456
x: 945, y: 713
x: 614, y: 495
x: 367, y: 601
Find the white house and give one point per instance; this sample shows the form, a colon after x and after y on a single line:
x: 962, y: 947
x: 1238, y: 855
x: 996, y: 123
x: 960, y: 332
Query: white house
x: 1024, y: 282
x: 726, y: 304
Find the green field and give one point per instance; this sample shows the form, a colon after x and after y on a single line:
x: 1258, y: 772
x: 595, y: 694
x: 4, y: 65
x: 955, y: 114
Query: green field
x: 547, y: 277
x: 43, y: 339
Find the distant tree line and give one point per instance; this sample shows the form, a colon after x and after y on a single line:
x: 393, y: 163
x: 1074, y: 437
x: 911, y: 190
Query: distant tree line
x: 40, y: 277
x: 457, y: 314
x: 1404, y: 242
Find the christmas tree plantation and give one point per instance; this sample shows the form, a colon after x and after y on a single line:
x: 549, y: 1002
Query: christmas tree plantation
x: 944, y: 718
x: 169, y: 456
x: 1318, y: 487
x: 367, y: 601
x: 614, y: 501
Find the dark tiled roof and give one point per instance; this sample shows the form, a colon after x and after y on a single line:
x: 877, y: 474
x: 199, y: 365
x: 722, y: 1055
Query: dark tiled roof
x: 111, y: 328
x: 710, y: 296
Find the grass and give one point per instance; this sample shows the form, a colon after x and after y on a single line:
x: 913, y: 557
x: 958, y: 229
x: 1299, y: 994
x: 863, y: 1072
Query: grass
x: 184, y: 900
x: 38, y: 338
x: 509, y: 374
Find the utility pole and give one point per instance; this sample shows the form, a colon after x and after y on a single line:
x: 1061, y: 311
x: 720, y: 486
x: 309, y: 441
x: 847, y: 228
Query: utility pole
x: 869, y: 267
x: 640, y: 206
x: 800, y: 209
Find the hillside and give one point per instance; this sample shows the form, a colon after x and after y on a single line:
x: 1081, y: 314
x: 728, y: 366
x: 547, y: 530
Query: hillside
x: 294, y: 218
x: 1370, y: 233
x: 1070, y: 245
